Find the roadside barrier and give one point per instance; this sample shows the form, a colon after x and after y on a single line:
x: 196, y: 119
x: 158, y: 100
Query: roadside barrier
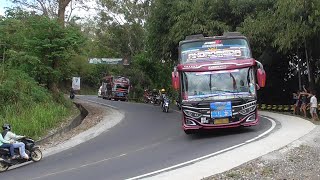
x: 282, y: 108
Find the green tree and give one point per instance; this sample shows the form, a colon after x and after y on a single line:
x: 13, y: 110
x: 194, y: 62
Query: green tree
x: 37, y: 44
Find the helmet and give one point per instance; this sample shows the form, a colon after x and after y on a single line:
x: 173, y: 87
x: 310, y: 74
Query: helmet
x: 6, y: 127
x: 163, y: 90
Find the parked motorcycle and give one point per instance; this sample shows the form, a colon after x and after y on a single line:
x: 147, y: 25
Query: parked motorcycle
x: 147, y: 99
x: 165, y: 105
x: 34, y: 152
x: 157, y: 100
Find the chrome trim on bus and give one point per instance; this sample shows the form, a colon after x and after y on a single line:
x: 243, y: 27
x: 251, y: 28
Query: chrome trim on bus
x: 251, y: 102
x: 204, y: 65
x: 190, y: 107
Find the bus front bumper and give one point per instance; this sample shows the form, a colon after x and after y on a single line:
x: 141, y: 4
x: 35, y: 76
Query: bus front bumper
x: 189, y: 124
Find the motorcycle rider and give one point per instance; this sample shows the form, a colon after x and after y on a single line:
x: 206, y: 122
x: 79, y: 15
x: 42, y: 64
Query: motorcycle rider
x: 72, y: 93
x: 7, y: 144
x: 162, y: 95
x: 154, y: 94
x: 10, y: 136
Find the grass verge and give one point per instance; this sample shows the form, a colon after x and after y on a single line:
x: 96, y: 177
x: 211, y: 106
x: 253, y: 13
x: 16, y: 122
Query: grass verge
x: 37, y: 120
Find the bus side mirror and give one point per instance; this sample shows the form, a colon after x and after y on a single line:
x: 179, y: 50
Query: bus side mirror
x: 175, y: 80
x: 261, y: 77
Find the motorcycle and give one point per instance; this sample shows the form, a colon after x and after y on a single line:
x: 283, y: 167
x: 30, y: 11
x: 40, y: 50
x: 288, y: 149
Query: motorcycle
x: 147, y: 99
x: 34, y: 152
x: 72, y: 95
x: 156, y: 100
x: 165, y: 105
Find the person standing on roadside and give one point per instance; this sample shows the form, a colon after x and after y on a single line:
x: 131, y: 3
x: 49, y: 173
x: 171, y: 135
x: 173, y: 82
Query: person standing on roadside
x: 313, y: 106
x: 304, y: 101
x: 296, y: 102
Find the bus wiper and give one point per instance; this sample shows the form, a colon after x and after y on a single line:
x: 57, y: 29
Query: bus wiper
x: 233, y: 93
x: 204, y: 98
x: 241, y: 98
x: 219, y: 94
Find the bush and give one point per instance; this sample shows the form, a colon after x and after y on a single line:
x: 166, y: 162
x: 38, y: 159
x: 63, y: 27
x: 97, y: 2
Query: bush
x: 28, y: 107
x: 17, y: 87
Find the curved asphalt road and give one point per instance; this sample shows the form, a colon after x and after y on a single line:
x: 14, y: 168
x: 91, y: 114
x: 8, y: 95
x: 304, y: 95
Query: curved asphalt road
x: 145, y: 140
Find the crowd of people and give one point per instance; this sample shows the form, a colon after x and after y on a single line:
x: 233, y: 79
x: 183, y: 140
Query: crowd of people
x: 304, y: 100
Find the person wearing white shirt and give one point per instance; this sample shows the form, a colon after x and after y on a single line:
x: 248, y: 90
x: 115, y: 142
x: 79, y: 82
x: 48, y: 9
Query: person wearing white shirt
x: 10, y: 136
x: 313, y: 107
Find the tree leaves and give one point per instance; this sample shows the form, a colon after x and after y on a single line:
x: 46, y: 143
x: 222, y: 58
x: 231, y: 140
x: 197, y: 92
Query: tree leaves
x: 35, y: 43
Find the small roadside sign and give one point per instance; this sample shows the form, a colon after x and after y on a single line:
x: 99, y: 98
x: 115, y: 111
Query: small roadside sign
x: 76, y: 83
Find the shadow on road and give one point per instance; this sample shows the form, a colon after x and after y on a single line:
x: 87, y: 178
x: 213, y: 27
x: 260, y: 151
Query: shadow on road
x: 220, y: 132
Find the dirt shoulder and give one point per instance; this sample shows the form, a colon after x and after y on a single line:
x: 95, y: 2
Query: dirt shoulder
x: 298, y: 160
x: 95, y: 115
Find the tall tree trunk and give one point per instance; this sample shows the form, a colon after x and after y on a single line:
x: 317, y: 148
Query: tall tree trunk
x: 61, y: 14
x: 312, y: 82
x: 310, y: 69
x: 52, y: 79
x: 55, y: 64
x: 62, y: 10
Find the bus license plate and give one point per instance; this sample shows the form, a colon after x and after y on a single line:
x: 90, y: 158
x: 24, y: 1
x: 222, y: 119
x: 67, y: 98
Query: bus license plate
x: 221, y: 121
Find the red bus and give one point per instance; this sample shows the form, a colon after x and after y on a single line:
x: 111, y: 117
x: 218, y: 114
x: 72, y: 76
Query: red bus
x: 217, y: 79
x: 116, y: 88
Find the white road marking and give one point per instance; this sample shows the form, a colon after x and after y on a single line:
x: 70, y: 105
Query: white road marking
x: 75, y: 168
x: 206, y: 156
x: 175, y: 166
x: 100, y: 103
x: 106, y: 159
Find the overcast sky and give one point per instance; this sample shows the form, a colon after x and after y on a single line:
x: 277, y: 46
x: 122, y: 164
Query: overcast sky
x: 3, y: 4
x: 79, y: 12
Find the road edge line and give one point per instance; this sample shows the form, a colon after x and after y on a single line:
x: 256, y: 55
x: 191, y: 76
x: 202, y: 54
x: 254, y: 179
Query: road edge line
x: 104, y: 125
x: 273, y: 125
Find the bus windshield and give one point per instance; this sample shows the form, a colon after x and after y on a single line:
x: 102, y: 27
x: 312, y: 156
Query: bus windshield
x: 211, y: 50
x: 213, y: 84
x: 121, y: 86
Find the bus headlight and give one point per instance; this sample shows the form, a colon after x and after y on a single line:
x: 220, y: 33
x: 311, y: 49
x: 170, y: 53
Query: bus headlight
x: 192, y: 114
x: 247, y: 110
